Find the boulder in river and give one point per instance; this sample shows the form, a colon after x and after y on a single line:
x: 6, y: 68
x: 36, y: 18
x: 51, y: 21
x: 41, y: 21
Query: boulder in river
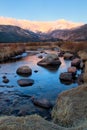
x: 24, y: 71
x: 25, y: 82
x: 66, y: 76
x: 72, y: 70
x: 50, y: 60
x: 76, y: 62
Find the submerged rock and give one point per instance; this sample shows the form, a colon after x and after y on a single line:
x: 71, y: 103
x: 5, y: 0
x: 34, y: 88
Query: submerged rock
x: 5, y: 80
x: 71, y: 107
x: 24, y: 71
x: 25, y: 82
x: 44, y: 103
x: 4, y: 77
x: 35, y: 71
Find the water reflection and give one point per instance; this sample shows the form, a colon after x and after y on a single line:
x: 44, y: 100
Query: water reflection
x: 46, y: 85
x: 63, y: 65
x: 47, y: 82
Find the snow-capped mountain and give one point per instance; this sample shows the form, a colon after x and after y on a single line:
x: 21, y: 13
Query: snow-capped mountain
x: 37, y: 26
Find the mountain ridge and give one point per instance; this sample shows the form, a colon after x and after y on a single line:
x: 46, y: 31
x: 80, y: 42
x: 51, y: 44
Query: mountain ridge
x: 40, y: 26
x: 9, y: 33
x: 76, y: 34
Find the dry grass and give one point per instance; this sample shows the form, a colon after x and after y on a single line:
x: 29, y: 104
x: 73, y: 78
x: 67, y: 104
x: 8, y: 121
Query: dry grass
x: 9, y: 50
x: 33, y: 122
x: 71, y: 107
x: 83, y: 55
x: 43, y: 45
x: 74, y: 46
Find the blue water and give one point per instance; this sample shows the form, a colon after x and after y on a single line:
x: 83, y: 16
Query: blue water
x: 46, y: 82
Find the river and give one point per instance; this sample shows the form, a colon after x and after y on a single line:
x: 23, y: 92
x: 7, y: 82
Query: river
x: 46, y: 82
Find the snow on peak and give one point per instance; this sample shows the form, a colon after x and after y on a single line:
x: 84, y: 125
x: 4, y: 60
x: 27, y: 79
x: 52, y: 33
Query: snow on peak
x: 39, y: 26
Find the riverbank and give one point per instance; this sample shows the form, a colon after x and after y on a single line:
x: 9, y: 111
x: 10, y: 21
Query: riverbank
x: 69, y: 112
x: 8, y: 51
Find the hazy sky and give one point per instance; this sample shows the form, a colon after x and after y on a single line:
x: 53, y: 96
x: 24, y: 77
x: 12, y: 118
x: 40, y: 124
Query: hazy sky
x: 45, y: 10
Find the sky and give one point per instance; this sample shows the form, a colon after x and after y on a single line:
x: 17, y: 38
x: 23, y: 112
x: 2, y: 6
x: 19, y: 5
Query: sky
x: 45, y: 10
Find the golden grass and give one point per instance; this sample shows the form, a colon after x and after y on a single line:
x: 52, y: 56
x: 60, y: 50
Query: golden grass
x: 74, y: 46
x: 9, y: 50
x: 34, y: 122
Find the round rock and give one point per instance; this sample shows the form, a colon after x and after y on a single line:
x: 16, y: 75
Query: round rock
x: 24, y: 71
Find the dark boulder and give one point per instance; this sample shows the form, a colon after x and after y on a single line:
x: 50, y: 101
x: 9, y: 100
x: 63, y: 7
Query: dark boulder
x: 61, y: 53
x: 76, y: 62
x: 50, y: 60
x: 67, y: 77
x: 72, y: 70
x: 24, y: 71
x: 25, y: 82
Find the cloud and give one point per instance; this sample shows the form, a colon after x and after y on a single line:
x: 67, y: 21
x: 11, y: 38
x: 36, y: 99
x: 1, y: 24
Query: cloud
x: 39, y: 26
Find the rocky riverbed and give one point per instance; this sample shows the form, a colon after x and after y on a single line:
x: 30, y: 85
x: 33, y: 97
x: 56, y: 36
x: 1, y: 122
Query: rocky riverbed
x: 51, y: 73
